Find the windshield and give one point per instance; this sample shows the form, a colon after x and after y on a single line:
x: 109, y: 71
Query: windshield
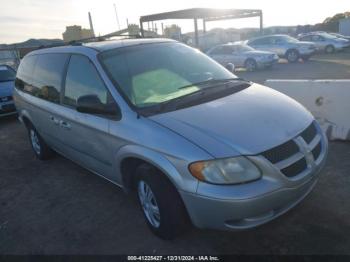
x: 7, y: 54
x: 326, y: 35
x: 289, y: 39
x: 151, y: 74
x: 7, y: 74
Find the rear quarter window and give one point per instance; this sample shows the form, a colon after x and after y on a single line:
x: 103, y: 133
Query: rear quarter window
x: 48, y: 74
x: 25, y: 71
x: 41, y: 75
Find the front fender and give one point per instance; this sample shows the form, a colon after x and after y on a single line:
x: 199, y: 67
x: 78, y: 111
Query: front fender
x: 175, y: 169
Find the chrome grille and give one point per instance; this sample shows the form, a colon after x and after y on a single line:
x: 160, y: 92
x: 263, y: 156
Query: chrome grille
x: 309, y: 133
x: 295, y: 168
x: 316, y: 152
x: 296, y: 155
x: 281, y: 152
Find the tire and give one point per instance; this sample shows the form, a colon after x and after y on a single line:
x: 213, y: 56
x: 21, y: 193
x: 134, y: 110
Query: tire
x: 41, y: 150
x: 169, y: 217
x: 329, y: 49
x: 306, y: 58
x: 292, y: 56
x: 250, y: 65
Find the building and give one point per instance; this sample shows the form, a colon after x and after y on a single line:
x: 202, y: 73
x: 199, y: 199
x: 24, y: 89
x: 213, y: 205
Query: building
x: 76, y: 32
x: 344, y: 26
x: 212, y: 38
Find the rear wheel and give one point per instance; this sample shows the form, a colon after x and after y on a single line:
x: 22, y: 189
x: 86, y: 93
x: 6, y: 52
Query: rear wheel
x: 40, y: 148
x: 250, y: 64
x: 161, y: 204
x: 292, y: 56
x: 330, y: 49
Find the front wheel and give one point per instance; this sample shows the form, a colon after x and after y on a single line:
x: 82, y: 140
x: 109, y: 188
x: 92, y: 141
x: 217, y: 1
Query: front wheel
x: 292, y: 56
x: 161, y: 204
x: 330, y: 49
x: 40, y: 148
x: 250, y: 65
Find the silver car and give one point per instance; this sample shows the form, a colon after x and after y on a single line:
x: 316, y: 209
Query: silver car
x: 7, y: 82
x: 326, y: 42
x: 196, y: 144
x: 242, y: 56
x: 285, y: 46
x: 341, y: 36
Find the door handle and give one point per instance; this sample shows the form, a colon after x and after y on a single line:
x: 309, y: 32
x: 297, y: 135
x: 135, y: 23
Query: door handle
x: 54, y: 120
x: 65, y: 125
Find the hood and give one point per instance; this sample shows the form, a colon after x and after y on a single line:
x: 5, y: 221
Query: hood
x: 248, y: 122
x: 6, y: 88
x: 304, y: 43
x: 341, y: 40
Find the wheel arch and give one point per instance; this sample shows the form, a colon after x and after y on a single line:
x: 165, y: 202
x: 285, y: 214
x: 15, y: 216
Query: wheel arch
x: 25, y: 118
x: 131, y: 156
x: 291, y: 49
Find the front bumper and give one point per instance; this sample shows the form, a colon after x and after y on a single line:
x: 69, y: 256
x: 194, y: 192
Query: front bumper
x: 244, y: 213
x: 264, y: 64
x: 7, y: 108
x: 236, y: 207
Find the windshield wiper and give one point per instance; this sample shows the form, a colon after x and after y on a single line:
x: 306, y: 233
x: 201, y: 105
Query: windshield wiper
x: 212, y: 81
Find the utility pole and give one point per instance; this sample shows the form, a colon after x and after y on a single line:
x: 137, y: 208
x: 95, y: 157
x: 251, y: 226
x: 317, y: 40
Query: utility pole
x: 91, y: 25
x: 116, y: 15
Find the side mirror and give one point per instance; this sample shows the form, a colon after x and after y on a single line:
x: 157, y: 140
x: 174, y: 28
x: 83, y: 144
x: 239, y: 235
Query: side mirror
x: 91, y: 104
x: 230, y: 67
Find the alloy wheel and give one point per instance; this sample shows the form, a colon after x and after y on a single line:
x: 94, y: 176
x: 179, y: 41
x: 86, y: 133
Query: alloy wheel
x: 149, y: 204
x: 35, y: 141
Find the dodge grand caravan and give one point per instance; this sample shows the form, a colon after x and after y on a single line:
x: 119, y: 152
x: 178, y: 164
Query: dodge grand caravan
x: 196, y: 144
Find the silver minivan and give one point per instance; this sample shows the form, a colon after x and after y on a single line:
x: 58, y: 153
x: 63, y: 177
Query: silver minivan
x: 196, y: 144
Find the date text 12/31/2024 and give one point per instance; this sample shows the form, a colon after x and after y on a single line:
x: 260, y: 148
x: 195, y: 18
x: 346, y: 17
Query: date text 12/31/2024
x: 173, y: 258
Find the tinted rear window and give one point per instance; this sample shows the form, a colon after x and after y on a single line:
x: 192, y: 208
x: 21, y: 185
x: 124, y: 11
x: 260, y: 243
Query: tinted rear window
x: 45, y: 80
x: 25, y: 72
x: 48, y: 74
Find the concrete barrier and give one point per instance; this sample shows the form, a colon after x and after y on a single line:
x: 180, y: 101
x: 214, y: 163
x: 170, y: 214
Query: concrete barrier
x: 327, y: 100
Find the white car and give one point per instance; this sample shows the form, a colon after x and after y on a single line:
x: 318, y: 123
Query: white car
x: 325, y: 42
x: 242, y: 56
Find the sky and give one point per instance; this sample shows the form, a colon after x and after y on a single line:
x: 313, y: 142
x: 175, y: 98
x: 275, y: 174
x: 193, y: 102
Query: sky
x: 24, y: 19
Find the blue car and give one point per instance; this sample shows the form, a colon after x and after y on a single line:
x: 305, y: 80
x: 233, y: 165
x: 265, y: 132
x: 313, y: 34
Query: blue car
x: 7, y: 79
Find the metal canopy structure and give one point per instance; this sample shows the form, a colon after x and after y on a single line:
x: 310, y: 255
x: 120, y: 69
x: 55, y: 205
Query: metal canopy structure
x: 206, y: 14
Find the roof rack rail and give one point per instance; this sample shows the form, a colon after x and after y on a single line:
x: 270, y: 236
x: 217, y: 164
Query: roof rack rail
x: 80, y: 42
x: 99, y: 39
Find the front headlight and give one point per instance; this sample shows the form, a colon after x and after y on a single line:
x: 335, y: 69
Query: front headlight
x: 234, y: 170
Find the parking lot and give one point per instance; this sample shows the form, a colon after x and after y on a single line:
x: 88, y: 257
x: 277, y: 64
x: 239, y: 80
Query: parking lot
x: 322, y: 66
x: 57, y: 207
